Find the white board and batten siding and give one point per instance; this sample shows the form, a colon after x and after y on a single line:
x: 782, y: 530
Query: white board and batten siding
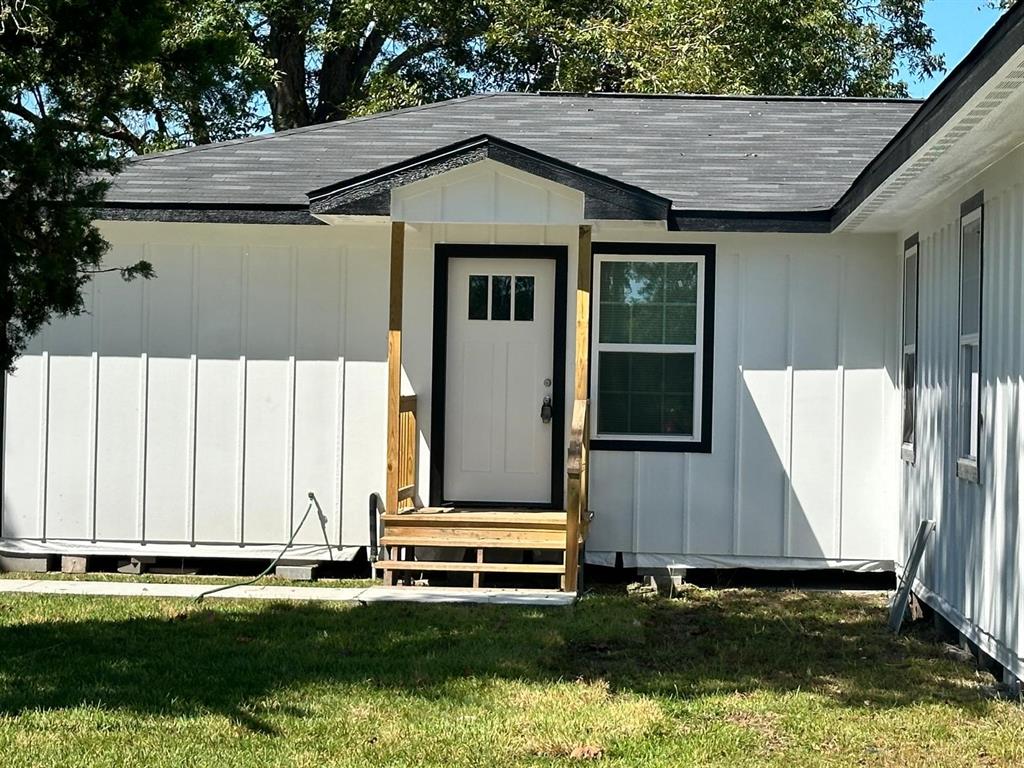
x: 804, y: 403
x: 192, y: 413
x: 973, y: 568
x: 805, y: 397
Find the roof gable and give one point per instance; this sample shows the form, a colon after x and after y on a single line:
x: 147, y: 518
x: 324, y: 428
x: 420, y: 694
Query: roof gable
x: 487, y: 192
x: 604, y: 198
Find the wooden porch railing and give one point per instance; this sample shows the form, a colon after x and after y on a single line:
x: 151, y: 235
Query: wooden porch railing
x: 578, y: 491
x: 408, y: 441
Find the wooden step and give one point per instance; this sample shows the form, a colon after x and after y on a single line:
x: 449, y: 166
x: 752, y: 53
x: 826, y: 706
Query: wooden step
x: 453, y: 518
x: 477, y: 530
x: 472, y: 539
x: 439, y: 566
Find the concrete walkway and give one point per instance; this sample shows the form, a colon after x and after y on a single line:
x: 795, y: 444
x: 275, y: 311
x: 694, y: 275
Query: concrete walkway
x: 357, y: 595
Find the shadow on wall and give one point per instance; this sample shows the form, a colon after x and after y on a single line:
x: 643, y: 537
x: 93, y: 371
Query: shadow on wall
x: 152, y: 660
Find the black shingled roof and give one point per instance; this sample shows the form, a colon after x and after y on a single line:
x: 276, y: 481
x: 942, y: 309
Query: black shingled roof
x: 765, y: 154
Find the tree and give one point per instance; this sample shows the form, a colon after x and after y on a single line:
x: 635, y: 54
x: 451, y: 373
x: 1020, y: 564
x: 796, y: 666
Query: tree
x: 777, y: 47
x: 232, y: 67
x: 62, y: 73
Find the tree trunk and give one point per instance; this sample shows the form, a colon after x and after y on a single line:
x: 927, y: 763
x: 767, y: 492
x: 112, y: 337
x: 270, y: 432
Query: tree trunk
x: 344, y: 74
x: 198, y: 123
x: 334, y: 85
x: 286, y: 45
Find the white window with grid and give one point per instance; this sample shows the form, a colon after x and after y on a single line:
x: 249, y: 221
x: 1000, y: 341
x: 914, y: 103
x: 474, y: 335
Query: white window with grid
x: 648, y: 347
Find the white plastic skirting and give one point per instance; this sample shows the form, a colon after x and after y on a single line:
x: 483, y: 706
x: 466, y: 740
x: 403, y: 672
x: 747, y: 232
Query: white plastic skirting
x: 630, y: 560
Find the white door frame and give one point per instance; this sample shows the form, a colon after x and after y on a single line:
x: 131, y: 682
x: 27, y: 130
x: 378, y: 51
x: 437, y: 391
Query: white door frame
x: 443, y: 252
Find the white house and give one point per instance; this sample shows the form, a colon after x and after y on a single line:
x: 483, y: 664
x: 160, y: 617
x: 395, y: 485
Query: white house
x: 757, y: 332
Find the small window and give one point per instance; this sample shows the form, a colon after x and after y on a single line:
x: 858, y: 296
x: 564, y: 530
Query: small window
x: 648, y: 347
x: 491, y: 297
x: 911, y: 265
x: 501, y: 297
x: 524, y: 298
x: 969, y: 358
x: 478, y: 297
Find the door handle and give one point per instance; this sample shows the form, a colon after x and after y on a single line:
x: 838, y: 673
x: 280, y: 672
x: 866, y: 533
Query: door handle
x: 545, y: 410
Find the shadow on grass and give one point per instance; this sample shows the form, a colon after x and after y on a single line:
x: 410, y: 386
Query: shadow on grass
x: 226, y: 658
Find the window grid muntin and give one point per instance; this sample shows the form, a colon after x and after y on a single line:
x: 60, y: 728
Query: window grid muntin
x: 697, y: 348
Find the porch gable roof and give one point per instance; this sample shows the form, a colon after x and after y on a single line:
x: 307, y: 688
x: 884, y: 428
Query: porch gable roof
x: 369, y: 194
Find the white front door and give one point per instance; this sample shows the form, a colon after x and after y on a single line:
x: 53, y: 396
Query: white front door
x: 499, y: 371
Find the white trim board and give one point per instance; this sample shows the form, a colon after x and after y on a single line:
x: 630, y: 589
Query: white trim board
x: 684, y: 562
x: 84, y: 547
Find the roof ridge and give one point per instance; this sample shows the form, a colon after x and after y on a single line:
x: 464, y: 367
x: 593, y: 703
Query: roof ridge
x: 310, y: 128
x: 726, y: 96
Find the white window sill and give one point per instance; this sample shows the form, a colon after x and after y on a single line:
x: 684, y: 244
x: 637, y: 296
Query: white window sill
x: 967, y: 469
x: 908, y: 453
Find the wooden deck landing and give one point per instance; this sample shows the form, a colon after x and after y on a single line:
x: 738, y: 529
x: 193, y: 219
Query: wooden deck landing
x: 478, y: 531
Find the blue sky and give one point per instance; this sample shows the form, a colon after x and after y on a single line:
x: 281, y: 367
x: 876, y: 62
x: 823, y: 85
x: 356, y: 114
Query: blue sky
x: 958, y: 25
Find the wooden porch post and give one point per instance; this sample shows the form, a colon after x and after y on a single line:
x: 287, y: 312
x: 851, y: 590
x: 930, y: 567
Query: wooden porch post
x: 577, y: 492
x: 394, y: 364
x: 583, y: 279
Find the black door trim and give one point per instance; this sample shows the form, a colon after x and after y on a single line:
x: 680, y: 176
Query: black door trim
x: 443, y: 252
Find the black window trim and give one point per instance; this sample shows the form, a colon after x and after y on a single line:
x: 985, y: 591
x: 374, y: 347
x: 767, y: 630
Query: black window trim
x: 703, y: 445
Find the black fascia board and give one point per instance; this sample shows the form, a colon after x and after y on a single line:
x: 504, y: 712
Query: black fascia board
x: 814, y: 222
x: 207, y: 213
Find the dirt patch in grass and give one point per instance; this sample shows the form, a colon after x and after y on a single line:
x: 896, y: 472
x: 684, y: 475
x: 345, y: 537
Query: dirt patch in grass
x: 764, y: 724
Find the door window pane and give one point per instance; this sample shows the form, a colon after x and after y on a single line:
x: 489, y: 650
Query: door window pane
x: 643, y: 393
x: 501, y: 297
x: 524, y: 298
x: 478, y: 297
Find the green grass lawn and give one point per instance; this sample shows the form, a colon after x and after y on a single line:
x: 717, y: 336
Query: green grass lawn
x: 732, y: 677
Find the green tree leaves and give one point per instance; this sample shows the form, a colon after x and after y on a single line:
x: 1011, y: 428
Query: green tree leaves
x: 228, y: 68
x: 62, y: 86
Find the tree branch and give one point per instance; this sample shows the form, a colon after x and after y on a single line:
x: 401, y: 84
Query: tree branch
x: 411, y: 53
x: 118, y: 133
